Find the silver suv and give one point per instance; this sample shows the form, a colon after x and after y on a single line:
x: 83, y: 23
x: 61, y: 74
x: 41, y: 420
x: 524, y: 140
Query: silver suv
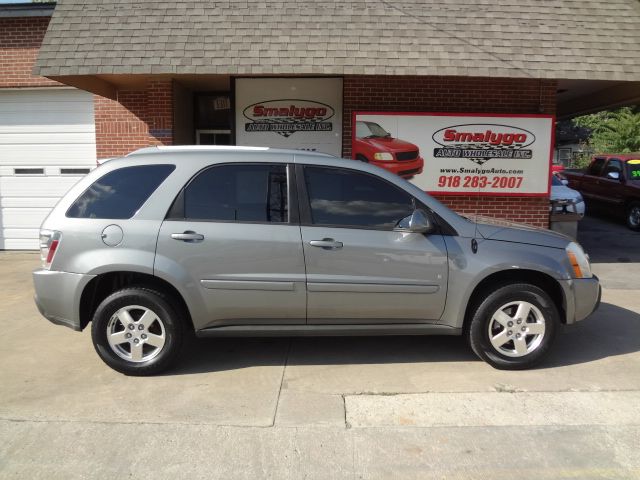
x: 259, y: 242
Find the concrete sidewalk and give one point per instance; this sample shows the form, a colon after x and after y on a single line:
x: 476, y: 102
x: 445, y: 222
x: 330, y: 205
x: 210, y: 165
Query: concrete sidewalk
x: 388, y: 407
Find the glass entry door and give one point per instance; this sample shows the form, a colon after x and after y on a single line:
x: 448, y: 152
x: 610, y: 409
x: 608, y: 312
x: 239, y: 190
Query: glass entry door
x: 213, y: 118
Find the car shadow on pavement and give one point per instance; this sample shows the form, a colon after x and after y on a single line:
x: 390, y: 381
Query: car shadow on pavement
x: 610, y: 331
x: 220, y: 354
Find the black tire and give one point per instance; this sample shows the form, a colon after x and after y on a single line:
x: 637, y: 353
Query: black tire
x: 170, y: 326
x: 490, y: 303
x: 633, y: 216
x: 362, y: 158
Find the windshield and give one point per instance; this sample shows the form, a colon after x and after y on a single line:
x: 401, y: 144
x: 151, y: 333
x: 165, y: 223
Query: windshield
x: 370, y: 130
x: 633, y: 167
x: 555, y: 181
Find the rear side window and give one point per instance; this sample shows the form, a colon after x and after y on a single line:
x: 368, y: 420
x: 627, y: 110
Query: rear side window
x: 596, y: 167
x: 119, y: 194
x: 353, y: 199
x: 240, y: 193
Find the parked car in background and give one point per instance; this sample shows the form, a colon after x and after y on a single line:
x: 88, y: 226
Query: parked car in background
x: 373, y: 144
x: 611, y: 182
x: 561, y: 192
x: 258, y: 242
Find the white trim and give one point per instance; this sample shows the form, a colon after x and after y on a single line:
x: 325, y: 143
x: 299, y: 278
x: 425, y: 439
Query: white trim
x: 44, y: 87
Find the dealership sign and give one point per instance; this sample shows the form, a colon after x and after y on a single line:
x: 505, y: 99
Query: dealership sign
x: 287, y: 116
x: 477, y: 154
x: 299, y: 113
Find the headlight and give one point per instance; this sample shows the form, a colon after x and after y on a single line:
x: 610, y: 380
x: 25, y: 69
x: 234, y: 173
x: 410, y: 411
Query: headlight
x: 579, y: 261
x: 383, y: 156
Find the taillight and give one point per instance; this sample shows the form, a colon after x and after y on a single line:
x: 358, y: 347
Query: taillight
x: 49, y: 242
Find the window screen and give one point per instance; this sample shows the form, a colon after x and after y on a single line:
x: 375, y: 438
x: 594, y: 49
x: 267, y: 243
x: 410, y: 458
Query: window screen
x: 120, y: 193
x: 243, y: 193
x: 348, y: 198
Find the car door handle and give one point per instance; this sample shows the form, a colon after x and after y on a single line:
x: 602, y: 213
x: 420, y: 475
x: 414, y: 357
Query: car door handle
x: 188, y: 236
x: 326, y: 244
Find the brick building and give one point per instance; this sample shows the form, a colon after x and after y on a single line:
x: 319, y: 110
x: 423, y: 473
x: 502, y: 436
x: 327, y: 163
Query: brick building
x: 164, y: 73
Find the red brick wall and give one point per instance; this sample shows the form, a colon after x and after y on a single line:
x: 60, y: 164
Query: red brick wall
x: 20, y: 40
x: 138, y: 118
x: 457, y: 94
x: 530, y: 210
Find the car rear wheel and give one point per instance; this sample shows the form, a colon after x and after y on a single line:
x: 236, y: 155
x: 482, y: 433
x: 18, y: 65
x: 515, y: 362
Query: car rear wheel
x: 136, y: 331
x: 633, y: 216
x: 513, y: 327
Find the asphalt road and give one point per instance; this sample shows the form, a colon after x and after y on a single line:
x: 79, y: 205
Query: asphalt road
x: 390, y: 407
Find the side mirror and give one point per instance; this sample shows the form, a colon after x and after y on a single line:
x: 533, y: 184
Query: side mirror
x: 564, y: 181
x: 417, y: 222
x: 613, y: 175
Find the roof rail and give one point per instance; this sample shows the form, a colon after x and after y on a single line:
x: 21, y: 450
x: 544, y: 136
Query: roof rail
x: 196, y: 148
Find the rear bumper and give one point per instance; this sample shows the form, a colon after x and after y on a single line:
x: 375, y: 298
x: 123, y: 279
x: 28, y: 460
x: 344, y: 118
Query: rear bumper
x: 57, y: 296
x: 404, y: 169
x: 582, y: 297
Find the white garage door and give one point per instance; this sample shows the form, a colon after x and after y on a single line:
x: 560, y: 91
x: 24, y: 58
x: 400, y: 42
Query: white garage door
x: 47, y: 143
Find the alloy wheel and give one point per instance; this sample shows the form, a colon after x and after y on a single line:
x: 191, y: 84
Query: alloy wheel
x: 136, y: 333
x: 516, y: 329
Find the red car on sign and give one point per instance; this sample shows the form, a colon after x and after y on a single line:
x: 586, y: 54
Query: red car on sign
x: 373, y: 144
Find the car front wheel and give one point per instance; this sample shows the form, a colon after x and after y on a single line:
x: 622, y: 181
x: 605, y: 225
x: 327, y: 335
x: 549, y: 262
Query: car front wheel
x: 137, y: 332
x: 514, y: 326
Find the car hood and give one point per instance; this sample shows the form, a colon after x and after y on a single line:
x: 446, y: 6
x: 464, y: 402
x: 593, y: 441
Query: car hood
x: 390, y: 144
x: 562, y: 192
x: 503, y: 230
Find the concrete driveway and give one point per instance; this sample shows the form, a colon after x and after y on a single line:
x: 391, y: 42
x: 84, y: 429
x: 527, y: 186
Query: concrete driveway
x: 390, y: 407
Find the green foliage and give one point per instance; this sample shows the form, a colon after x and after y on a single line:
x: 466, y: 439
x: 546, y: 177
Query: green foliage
x: 616, y: 131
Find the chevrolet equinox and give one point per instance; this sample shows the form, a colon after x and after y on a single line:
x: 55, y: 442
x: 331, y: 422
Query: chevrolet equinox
x: 248, y: 241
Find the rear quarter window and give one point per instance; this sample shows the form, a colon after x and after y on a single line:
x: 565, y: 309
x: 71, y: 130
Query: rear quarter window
x: 120, y: 193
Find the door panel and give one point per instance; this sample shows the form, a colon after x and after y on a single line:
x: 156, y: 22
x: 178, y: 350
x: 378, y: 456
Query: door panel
x: 235, y: 245
x: 375, y: 277
x: 245, y: 273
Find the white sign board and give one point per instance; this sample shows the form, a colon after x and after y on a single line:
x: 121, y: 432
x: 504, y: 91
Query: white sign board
x: 469, y: 154
x: 298, y: 113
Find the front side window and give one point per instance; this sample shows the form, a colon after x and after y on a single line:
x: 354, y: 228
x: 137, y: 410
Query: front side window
x: 614, y: 166
x: 241, y: 192
x: 348, y: 198
x: 120, y: 193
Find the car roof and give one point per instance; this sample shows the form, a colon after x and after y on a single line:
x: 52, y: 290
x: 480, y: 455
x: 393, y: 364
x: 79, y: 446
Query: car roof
x: 620, y: 156
x: 171, y: 149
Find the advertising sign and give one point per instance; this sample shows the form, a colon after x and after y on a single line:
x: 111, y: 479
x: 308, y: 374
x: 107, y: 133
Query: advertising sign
x: 470, y: 154
x: 299, y: 113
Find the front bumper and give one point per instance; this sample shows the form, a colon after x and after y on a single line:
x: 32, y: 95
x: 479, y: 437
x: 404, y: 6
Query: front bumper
x: 404, y: 169
x: 57, y: 296
x: 582, y: 297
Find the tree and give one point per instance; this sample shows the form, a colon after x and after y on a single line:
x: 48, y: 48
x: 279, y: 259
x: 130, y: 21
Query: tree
x: 616, y: 131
